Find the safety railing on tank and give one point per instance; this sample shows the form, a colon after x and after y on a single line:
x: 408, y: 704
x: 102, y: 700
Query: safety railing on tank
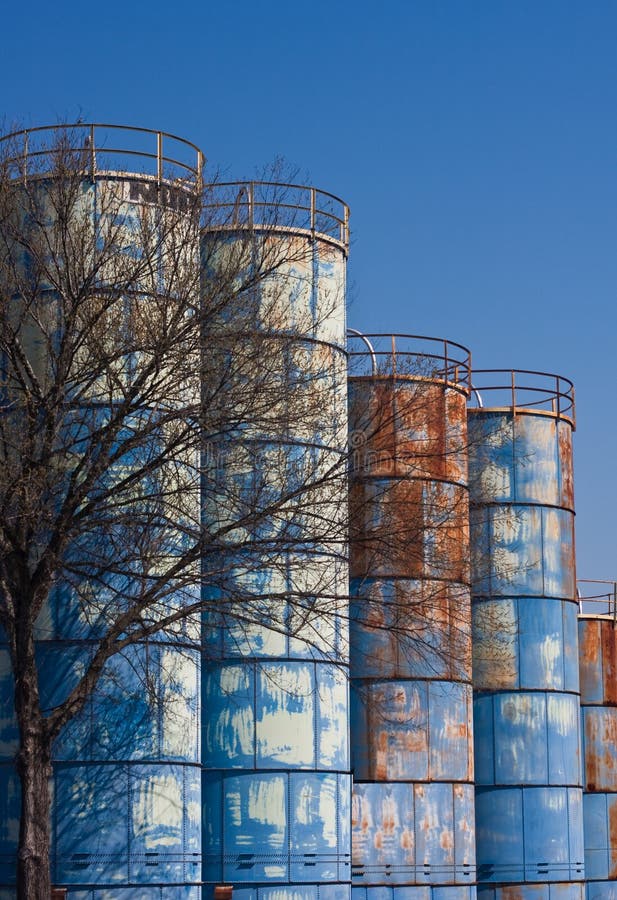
x: 523, y: 389
x: 276, y: 206
x: 409, y: 355
x: 93, y: 149
x: 597, y: 597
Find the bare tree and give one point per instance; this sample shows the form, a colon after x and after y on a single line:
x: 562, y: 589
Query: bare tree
x: 140, y: 376
x: 173, y: 434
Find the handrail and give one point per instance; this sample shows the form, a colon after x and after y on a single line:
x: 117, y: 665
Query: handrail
x: 525, y: 390
x: 233, y: 205
x: 410, y: 355
x: 88, y: 141
x: 603, y: 603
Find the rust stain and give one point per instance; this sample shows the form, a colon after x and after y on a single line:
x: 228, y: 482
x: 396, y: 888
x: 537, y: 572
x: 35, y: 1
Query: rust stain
x: 612, y: 839
x: 609, y: 661
x: 512, y: 892
x: 592, y: 767
x: 565, y: 462
x: 446, y: 840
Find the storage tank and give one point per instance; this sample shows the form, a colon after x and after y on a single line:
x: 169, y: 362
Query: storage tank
x: 410, y: 622
x: 276, y: 784
x: 597, y: 624
x: 526, y: 687
x: 126, y: 820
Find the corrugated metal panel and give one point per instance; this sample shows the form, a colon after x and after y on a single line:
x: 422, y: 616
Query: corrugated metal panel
x: 532, y: 834
x: 413, y: 833
x: 527, y: 738
x: 118, y: 824
x: 525, y: 643
x: 276, y: 827
x: 554, y: 891
x: 598, y: 661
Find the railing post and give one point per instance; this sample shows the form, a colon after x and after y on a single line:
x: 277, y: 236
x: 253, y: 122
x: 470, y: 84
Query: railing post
x: 313, y: 205
x: 92, y: 154
x: 251, y: 203
x: 159, y: 158
x: 26, y: 151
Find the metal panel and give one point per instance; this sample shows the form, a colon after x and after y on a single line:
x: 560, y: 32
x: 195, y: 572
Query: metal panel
x: 554, y: 891
x: 276, y: 827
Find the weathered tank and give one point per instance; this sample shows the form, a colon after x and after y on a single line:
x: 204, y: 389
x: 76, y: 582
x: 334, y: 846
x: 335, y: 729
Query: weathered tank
x: 597, y: 628
x: 126, y: 816
x: 525, y: 669
x: 276, y: 784
x: 411, y: 713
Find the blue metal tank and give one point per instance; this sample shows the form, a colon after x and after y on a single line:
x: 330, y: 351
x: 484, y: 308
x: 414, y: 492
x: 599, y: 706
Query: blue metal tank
x: 526, y: 689
x: 411, y: 710
x: 597, y: 627
x: 276, y: 783
x: 126, y: 814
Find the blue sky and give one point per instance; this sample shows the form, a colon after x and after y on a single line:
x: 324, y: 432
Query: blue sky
x: 475, y: 141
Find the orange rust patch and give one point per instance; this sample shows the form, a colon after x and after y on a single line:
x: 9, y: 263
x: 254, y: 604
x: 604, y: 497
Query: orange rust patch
x: 609, y: 661
x: 612, y: 839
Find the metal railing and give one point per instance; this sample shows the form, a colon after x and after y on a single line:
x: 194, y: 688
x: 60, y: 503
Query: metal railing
x: 274, y: 205
x: 409, y: 355
x: 523, y: 389
x: 93, y: 149
x: 602, y: 601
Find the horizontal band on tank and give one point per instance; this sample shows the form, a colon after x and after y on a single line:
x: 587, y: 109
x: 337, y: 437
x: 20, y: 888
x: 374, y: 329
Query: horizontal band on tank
x: 210, y: 662
x: 157, y: 641
x: 594, y: 617
x: 523, y: 504
x: 525, y: 786
x: 538, y: 890
x: 483, y: 596
x: 296, y: 338
x: 395, y: 578
x: 125, y: 890
x: 454, y: 782
x: 271, y: 230
x: 394, y: 679
x: 102, y: 763
x: 236, y: 436
x: 414, y: 892
x: 410, y: 476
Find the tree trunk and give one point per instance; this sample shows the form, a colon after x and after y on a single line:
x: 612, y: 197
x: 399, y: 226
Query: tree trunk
x: 33, y: 763
x: 34, y: 768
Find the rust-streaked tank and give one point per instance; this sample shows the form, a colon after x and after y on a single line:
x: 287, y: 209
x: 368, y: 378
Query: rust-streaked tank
x: 597, y: 628
x: 526, y: 692
x: 411, y: 697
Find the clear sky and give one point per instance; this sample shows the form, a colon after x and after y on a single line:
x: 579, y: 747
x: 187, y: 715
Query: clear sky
x: 475, y: 141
